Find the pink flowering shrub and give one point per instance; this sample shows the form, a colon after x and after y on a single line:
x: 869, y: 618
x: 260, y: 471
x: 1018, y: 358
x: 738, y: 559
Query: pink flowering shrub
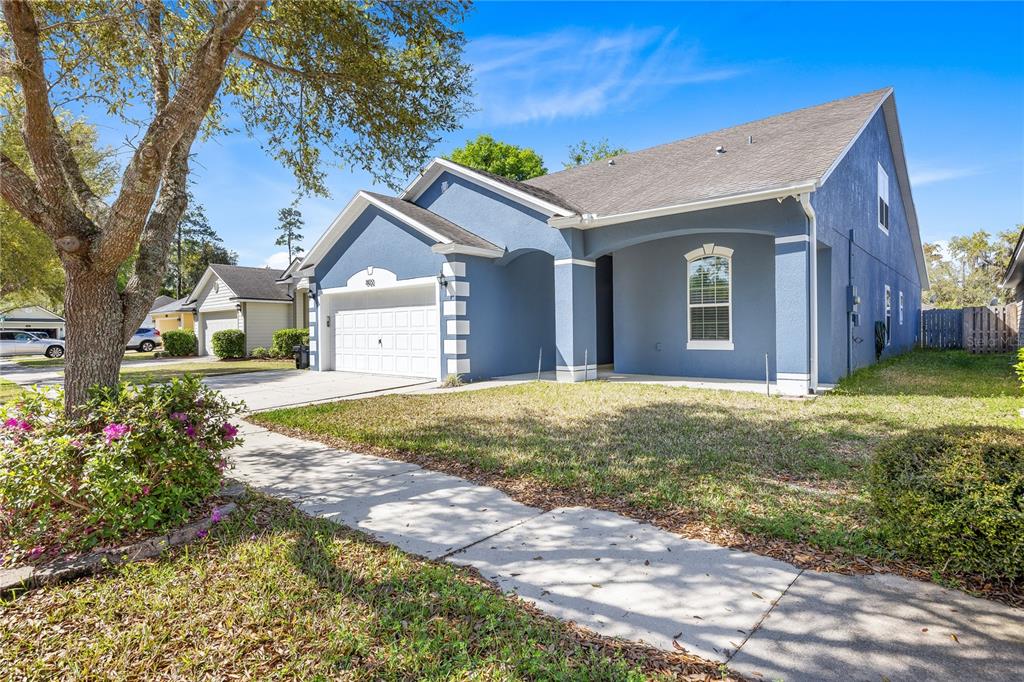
x: 140, y: 459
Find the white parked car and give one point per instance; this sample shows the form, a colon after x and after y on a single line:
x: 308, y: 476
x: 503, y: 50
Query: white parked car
x: 28, y: 343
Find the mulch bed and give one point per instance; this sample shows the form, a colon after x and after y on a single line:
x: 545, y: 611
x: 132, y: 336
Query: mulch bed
x: 683, y: 522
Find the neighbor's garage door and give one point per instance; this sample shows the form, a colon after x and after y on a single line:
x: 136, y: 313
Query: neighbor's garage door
x: 214, y: 322
x: 399, y: 339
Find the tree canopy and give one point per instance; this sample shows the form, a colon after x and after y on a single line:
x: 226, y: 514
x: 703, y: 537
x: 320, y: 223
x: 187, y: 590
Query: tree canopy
x: 967, y: 271
x: 501, y: 158
x: 30, y: 272
x: 197, y: 246
x: 369, y: 84
x: 584, y: 152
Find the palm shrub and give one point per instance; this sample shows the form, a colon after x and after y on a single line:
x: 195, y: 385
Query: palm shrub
x: 954, y: 497
x: 285, y: 340
x: 179, y: 342
x: 139, y: 458
x: 229, y: 343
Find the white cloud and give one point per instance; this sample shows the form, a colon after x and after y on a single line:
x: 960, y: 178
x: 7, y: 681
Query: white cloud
x: 926, y: 174
x: 571, y: 72
x: 276, y: 261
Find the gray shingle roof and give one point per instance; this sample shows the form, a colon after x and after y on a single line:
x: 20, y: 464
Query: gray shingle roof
x: 159, y: 302
x: 528, y: 187
x: 441, y: 226
x: 181, y: 305
x: 787, y: 149
x: 256, y: 283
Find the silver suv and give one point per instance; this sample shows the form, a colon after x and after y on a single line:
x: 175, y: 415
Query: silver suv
x: 145, y: 340
x: 17, y: 342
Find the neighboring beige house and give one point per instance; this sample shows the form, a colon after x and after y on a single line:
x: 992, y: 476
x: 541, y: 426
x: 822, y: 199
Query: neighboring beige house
x: 174, y: 315
x: 33, y: 318
x: 258, y: 301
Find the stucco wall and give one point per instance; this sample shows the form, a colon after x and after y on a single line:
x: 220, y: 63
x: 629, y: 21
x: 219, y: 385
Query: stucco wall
x: 650, y: 312
x: 495, y: 218
x: 848, y: 202
x: 377, y: 239
x: 511, y: 314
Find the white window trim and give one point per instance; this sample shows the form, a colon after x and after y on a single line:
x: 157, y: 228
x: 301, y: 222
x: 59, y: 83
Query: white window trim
x: 901, y: 307
x: 702, y: 344
x: 887, y: 314
x: 878, y: 193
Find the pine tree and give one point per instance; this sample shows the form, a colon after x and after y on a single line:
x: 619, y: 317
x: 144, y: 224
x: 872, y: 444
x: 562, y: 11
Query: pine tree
x: 289, y: 222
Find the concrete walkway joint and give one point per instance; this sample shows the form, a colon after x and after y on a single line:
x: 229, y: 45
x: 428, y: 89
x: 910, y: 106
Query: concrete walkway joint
x: 767, y: 619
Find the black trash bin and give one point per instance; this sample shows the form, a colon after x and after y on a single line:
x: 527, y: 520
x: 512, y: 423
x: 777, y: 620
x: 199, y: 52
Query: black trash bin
x: 301, y: 356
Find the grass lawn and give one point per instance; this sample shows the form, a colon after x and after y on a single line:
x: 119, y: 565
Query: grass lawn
x: 713, y: 462
x: 8, y: 390
x: 275, y: 594
x: 204, y: 368
x: 42, y: 361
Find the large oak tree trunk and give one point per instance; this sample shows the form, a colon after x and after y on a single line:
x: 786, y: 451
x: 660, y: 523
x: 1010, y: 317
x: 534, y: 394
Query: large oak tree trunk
x: 95, y: 333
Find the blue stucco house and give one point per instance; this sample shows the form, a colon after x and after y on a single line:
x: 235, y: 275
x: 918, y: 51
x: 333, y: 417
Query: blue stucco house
x: 778, y: 243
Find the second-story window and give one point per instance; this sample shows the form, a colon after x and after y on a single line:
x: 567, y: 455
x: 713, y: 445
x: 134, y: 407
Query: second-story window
x: 883, y: 200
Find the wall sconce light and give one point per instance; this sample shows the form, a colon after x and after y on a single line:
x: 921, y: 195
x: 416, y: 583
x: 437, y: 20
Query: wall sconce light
x: 238, y: 307
x: 442, y: 280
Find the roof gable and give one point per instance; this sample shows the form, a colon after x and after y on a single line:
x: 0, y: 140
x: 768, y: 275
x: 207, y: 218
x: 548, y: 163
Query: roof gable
x: 447, y: 236
x: 537, y: 198
x: 31, y: 312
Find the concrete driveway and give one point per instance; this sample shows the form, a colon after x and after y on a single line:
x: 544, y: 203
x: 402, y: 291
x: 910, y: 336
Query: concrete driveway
x: 270, y: 390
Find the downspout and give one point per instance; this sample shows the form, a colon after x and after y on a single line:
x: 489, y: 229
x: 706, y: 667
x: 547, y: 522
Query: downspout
x: 812, y: 228
x: 849, y: 305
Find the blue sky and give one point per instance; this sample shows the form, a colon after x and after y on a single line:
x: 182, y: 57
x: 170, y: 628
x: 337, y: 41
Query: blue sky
x: 549, y: 74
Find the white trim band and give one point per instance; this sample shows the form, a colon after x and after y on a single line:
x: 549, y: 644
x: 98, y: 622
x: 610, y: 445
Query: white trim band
x: 793, y: 239
x: 576, y: 261
x: 458, y: 366
x: 453, y: 268
x: 458, y: 327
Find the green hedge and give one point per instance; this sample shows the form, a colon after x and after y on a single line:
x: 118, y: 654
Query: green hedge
x: 954, y: 497
x: 229, y: 343
x: 179, y: 342
x: 286, y: 339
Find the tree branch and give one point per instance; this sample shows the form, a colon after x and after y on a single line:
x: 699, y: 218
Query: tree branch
x: 155, y: 242
x: 39, y: 126
x: 184, y: 111
x: 18, y: 189
x: 154, y: 31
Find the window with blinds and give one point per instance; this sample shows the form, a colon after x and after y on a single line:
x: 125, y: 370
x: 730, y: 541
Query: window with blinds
x: 709, y: 298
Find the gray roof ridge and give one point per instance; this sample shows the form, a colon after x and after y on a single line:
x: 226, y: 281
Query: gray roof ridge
x: 718, y: 131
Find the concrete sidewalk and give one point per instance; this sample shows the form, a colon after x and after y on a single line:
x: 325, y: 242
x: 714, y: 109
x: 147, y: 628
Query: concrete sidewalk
x: 765, y: 618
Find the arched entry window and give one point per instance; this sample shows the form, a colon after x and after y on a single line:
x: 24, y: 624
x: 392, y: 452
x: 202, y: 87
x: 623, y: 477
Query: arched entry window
x: 709, y: 298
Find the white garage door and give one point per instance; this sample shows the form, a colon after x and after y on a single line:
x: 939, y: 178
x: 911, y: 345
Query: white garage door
x: 400, y: 340
x: 214, y: 322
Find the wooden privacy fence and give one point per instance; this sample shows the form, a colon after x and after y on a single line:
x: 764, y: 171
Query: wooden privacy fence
x: 991, y: 329
x: 942, y: 328
x: 979, y: 329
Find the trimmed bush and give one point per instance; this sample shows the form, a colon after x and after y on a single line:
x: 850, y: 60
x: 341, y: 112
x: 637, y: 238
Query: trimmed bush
x: 260, y: 353
x: 179, y: 342
x: 229, y: 343
x: 141, y: 458
x: 954, y: 497
x: 286, y: 339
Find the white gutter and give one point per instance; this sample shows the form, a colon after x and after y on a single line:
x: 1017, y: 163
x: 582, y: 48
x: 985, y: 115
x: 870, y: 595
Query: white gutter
x: 590, y: 220
x: 812, y: 218
x: 467, y: 250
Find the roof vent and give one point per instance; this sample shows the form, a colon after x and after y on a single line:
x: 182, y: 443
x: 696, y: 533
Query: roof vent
x: 719, y: 150
x: 750, y: 139
x: 611, y: 162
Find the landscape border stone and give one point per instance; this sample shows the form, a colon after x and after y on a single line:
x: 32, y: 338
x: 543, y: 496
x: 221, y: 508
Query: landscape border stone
x: 25, y: 578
